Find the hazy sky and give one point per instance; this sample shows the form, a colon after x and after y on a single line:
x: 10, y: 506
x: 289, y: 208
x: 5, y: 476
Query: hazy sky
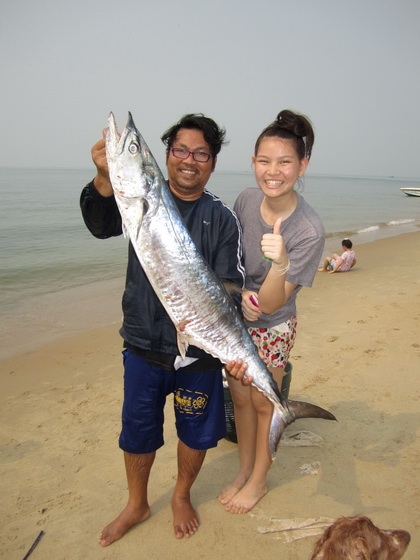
x: 352, y: 66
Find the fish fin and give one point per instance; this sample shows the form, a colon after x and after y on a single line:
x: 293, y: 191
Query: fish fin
x: 182, y: 338
x: 183, y: 344
x: 300, y: 409
x: 140, y: 217
x: 232, y: 288
x: 296, y: 409
x: 277, y: 427
x: 125, y: 231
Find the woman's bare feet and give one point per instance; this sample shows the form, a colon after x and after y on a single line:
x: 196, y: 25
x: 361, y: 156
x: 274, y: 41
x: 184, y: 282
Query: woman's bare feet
x: 121, y: 524
x: 246, y: 498
x: 185, y: 517
x: 232, y: 489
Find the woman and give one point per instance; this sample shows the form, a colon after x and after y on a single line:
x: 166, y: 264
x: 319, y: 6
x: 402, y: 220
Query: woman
x: 283, y: 240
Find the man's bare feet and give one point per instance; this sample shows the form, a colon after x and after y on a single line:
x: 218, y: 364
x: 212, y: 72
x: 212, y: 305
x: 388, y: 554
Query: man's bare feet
x: 185, y: 517
x: 121, y: 524
x: 246, y: 498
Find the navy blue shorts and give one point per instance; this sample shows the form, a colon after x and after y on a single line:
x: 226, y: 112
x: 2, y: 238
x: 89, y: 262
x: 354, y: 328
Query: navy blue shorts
x: 198, y: 404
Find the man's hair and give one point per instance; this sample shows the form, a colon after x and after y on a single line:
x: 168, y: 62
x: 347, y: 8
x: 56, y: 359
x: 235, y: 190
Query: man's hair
x: 213, y: 134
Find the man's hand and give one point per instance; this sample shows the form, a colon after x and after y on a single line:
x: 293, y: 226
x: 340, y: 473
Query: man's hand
x: 237, y: 369
x: 102, y: 182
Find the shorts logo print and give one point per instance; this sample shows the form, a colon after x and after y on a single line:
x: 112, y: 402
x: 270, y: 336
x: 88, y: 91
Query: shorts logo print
x: 190, y: 402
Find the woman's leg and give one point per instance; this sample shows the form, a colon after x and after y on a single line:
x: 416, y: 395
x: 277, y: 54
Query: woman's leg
x: 256, y: 485
x: 246, y: 431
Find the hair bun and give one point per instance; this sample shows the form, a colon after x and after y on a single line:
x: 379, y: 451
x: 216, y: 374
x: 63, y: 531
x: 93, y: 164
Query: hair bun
x: 293, y: 126
x: 292, y: 121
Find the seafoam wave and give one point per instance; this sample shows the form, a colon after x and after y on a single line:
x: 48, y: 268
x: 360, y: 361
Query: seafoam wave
x: 367, y: 229
x: 376, y: 227
x: 380, y: 227
x: 401, y: 222
x: 340, y: 234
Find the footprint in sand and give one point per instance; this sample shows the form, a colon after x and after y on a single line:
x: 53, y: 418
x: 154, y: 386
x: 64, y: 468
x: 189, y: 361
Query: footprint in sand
x: 332, y: 339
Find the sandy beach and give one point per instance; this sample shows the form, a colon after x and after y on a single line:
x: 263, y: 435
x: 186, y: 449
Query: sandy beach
x: 357, y: 354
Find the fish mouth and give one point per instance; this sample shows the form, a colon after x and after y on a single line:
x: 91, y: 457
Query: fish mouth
x: 115, y: 139
x: 112, y: 134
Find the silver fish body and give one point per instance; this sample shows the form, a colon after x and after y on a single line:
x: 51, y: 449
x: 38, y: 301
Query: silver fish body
x: 194, y: 298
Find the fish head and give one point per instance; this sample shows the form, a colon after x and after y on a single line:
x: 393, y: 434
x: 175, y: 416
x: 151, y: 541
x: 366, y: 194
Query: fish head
x: 132, y: 167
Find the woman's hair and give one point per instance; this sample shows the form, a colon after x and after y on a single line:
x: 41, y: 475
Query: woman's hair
x: 291, y: 126
x: 347, y: 243
x: 213, y: 134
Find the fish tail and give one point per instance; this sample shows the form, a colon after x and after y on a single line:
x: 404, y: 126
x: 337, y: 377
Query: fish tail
x: 296, y: 409
x: 299, y: 409
x: 277, y: 427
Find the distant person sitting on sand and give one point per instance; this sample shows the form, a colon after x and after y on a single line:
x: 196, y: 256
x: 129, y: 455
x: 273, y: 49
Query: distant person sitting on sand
x: 343, y: 263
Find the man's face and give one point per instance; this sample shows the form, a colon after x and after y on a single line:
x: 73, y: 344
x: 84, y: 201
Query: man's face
x: 187, y: 177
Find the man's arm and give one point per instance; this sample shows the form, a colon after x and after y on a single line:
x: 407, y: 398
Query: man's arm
x: 101, y: 182
x: 99, y: 209
x: 226, y: 258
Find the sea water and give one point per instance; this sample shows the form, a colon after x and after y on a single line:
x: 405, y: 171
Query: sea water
x: 55, y: 276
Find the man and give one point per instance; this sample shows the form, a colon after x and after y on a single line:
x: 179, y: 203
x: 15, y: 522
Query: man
x: 150, y: 354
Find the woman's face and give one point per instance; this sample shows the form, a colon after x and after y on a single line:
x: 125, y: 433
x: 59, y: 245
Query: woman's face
x: 277, y: 166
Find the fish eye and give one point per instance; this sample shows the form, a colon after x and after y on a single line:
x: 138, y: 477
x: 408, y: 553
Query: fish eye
x: 133, y: 148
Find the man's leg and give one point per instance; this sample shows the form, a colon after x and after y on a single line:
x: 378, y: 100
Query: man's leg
x: 137, y: 468
x: 200, y: 423
x: 189, y: 464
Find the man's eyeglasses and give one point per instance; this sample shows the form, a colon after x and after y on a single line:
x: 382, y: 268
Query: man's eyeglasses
x: 181, y: 153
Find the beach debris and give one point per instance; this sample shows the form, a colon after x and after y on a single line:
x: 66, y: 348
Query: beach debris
x: 302, y: 439
x: 34, y: 545
x: 289, y: 530
x: 197, y: 302
x: 310, y: 468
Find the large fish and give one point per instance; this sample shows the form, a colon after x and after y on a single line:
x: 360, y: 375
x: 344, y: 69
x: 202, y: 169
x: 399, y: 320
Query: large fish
x: 194, y: 298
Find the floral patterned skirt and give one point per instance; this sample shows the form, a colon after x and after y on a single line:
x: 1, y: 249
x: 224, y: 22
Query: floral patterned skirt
x: 276, y: 342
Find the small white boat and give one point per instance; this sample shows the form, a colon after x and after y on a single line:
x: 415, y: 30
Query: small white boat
x: 411, y: 191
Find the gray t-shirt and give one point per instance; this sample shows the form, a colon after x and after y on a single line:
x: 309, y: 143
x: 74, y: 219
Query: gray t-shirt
x: 304, y: 236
